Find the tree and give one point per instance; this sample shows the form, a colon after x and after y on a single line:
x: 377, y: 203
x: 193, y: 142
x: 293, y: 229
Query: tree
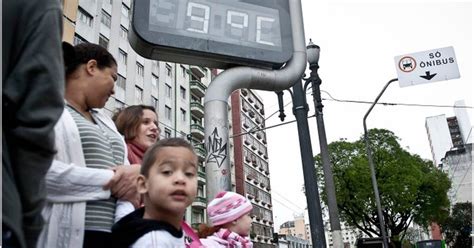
x: 458, y: 226
x: 411, y: 189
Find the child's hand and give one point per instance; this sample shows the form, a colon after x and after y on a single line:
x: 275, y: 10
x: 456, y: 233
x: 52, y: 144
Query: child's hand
x: 123, y: 184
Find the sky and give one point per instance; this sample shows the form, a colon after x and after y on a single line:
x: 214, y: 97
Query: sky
x: 359, y: 40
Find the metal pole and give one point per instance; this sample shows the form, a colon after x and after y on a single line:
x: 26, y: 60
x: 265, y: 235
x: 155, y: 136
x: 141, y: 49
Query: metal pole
x: 300, y: 110
x: 216, y: 130
x: 323, y: 144
x: 372, y: 167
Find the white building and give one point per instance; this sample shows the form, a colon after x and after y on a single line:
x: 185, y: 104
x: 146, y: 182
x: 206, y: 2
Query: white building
x: 451, y: 146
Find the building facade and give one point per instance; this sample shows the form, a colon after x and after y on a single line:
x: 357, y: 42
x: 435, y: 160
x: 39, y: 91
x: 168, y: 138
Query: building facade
x: 296, y: 228
x: 451, y: 145
x: 175, y: 90
x: 289, y: 241
x: 250, y: 162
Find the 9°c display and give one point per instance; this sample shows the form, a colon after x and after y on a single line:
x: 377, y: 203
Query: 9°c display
x: 213, y: 33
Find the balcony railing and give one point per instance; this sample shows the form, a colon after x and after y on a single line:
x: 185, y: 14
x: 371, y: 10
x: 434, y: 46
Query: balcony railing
x: 197, y: 131
x: 200, y: 202
x: 197, y: 109
x: 201, y: 152
x: 198, y: 71
x: 197, y: 88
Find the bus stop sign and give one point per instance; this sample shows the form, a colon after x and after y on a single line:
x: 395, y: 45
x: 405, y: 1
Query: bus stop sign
x: 213, y: 33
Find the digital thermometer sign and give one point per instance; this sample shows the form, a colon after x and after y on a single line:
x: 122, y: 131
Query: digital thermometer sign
x: 213, y: 33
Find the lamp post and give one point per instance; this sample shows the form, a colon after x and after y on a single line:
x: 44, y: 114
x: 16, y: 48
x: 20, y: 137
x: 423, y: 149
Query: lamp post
x: 372, y: 167
x: 300, y: 110
x: 312, y: 52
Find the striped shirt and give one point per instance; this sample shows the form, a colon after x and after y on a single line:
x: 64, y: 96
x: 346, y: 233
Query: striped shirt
x: 103, y: 149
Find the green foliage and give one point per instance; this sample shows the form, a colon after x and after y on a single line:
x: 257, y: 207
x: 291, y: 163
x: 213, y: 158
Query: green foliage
x: 458, y: 226
x: 411, y: 189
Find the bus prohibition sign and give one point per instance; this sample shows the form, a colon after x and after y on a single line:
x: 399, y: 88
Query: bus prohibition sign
x: 407, y: 64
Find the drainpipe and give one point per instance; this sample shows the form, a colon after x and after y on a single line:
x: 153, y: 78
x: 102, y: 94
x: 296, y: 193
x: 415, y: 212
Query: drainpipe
x: 216, y: 106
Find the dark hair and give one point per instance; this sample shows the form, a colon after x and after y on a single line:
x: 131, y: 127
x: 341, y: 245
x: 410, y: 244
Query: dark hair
x: 128, y: 120
x: 74, y: 56
x: 152, y: 152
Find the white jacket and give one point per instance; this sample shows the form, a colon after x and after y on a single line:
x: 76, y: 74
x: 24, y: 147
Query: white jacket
x: 70, y: 184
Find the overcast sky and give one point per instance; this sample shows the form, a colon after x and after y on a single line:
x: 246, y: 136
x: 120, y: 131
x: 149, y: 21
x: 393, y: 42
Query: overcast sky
x: 359, y: 41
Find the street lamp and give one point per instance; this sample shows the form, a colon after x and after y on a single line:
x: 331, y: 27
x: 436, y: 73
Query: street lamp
x: 300, y: 110
x: 312, y: 52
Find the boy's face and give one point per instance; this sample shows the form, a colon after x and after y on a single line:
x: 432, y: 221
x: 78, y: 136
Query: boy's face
x: 171, y: 185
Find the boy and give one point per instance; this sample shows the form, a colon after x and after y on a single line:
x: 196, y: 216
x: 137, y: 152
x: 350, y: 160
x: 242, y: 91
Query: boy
x: 168, y: 182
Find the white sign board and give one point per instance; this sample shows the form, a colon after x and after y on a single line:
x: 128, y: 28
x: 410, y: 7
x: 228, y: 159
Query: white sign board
x: 427, y: 66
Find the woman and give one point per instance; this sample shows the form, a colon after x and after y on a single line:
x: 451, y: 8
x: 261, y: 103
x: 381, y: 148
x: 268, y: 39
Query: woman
x: 139, y: 125
x: 87, y: 175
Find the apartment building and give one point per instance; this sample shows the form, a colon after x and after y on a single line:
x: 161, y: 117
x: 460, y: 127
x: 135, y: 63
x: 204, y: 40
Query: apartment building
x: 175, y: 90
x: 296, y: 228
x: 250, y: 162
x: 451, y: 146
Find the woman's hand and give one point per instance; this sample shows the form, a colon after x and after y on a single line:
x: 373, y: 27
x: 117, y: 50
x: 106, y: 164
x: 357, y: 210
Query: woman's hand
x: 123, y: 184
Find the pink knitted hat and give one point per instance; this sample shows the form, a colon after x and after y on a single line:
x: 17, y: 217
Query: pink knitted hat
x: 226, y: 207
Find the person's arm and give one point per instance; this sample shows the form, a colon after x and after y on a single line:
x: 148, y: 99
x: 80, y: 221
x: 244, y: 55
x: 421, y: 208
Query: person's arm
x: 72, y: 183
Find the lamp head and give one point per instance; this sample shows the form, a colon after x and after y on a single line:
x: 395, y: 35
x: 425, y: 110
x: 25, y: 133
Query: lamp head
x: 312, y: 52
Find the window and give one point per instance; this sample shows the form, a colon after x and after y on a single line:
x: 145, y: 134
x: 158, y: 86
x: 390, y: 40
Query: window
x: 140, y: 70
x: 103, y: 42
x: 168, y: 70
x: 138, y: 95
x: 84, y: 17
x: 167, y: 113
x: 182, y: 92
x: 183, y: 71
x: 105, y: 19
x: 154, y: 102
x: 123, y: 32
x: 167, y: 133
x: 119, y: 104
x: 154, y: 84
x: 78, y: 40
x: 122, y: 57
x: 120, y: 87
x: 183, y: 115
x: 125, y: 10
x: 168, y: 90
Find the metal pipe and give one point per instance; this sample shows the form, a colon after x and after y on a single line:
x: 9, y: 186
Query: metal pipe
x: 372, y: 167
x: 215, y: 101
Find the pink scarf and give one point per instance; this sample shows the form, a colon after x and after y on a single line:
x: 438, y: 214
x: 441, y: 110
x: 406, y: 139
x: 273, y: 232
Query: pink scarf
x: 135, y: 153
x: 234, y: 240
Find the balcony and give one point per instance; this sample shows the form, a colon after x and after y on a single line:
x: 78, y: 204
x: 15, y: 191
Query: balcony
x: 197, y: 131
x: 201, y: 177
x: 197, y: 109
x: 200, y: 202
x: 197, y: 88
x: 198, y: 71
x: 201, y: 152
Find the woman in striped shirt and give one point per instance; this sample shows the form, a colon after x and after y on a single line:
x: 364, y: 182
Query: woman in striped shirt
x: 89, y: 172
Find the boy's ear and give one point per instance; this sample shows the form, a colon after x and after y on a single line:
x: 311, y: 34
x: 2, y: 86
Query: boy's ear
x: 141, y: 184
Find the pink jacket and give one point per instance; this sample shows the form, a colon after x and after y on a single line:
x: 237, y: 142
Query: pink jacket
x: 226, y: 238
